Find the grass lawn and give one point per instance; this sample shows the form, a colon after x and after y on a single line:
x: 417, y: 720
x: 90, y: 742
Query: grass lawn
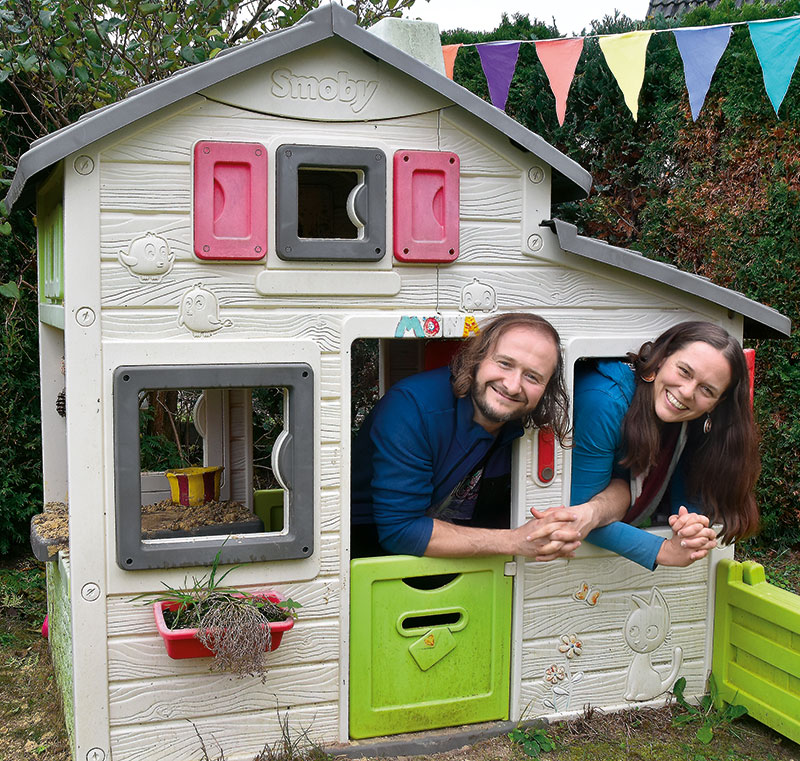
x: 32, y: 727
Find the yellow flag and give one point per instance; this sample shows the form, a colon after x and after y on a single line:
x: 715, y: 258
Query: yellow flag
x: 625, y: 54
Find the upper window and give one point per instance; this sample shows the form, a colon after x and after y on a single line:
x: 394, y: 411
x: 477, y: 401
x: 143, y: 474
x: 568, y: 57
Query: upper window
x: 331, y: 203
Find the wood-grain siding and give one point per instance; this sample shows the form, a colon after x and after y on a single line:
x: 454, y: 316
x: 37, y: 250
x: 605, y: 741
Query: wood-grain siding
x: 144, y: 656
x: 240, y: 736
x: 322, y: 326
x: 190, y: 696
x: 171, y: 141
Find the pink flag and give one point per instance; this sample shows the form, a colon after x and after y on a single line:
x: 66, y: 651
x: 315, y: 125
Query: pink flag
x: 559, y: 59
x: 449, y: 52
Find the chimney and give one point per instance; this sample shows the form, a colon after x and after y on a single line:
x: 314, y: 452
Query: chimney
x: 419, y: 39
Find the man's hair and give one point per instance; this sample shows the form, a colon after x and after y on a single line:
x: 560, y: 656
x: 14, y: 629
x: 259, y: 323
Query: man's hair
x: 553, y: 408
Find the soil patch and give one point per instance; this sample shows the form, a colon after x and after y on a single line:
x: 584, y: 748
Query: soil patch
x: 52, y: 525
x: 167, y: 516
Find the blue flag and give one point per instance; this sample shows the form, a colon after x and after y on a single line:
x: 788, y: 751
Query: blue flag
x: 777, y: 45
x: 700, y: 50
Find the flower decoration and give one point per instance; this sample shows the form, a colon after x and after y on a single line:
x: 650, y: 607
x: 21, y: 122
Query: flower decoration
x: 554, y: 674
x: 570, y: 645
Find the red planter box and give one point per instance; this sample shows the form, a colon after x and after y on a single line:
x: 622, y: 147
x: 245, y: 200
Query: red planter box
x: 182, y: 643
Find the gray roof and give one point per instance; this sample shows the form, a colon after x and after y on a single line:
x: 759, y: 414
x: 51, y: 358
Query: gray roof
x: 673, y: 8
x: 759, y: 321
x: 570, y: 181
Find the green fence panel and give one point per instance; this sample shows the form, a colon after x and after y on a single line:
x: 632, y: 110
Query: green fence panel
x: 756, y: 660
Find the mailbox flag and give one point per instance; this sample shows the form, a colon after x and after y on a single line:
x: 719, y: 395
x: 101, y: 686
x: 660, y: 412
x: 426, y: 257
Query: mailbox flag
x: 498, y: 59
x: 700, y: 51
x: 625, y: 55
x: 777, y: 45
x: 559, y: 59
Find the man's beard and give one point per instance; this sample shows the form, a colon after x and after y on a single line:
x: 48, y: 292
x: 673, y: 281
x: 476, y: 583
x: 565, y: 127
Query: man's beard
x: 493, y: 415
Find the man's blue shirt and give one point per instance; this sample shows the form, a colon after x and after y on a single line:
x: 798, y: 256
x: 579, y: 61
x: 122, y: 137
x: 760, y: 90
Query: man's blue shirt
x: 417, y: 444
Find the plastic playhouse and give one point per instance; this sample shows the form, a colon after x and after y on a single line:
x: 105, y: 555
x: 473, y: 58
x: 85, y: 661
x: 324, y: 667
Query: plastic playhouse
x: 224, y: 238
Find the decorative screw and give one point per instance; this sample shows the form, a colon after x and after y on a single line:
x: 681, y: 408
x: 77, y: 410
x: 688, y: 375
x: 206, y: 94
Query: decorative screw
x: 287, y: 249
x: 535, y: 243
x: 90, y: 591
x: 378, y: 156
x: 84, y: 165
x: 84, y: 316
x: 535, y: 174
x: 206, y: 149
x: 96, y: 754
x: 258, y: 151
x: 258, y: 249
x: 206, y: 249
x: 288, y: 154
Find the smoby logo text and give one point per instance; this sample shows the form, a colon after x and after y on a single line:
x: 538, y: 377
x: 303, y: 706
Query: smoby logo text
x: 356, y: 93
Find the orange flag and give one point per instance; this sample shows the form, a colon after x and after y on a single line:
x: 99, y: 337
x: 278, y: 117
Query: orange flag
x: 559, y: 59
x: 449, y: 52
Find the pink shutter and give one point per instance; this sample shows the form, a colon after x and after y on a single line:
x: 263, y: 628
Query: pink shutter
x: 426, y: 188
x: 230, y: 201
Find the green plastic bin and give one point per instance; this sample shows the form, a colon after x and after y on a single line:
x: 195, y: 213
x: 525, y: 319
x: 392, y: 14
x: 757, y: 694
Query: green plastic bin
x: 430, y: 643
x: 268, y: 506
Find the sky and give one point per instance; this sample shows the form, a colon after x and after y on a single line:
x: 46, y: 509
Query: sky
x: 571, y: 16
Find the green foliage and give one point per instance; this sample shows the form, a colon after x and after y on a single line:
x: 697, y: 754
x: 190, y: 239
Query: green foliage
x: 533, y: 740
x: 704, y: 714
x: 719, y: 197
x: 22, y: 601
x: 20, y: 437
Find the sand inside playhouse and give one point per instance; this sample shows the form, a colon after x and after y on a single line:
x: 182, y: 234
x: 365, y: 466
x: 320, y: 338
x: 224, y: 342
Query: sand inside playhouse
x: 52, y: 524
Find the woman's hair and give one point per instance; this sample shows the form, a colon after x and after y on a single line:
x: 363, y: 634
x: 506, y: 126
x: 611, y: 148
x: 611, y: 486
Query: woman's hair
x: 553, y: 408
x: 723, y: 464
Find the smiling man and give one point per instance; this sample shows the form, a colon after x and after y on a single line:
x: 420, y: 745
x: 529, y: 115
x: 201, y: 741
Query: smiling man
x: 431, y: 464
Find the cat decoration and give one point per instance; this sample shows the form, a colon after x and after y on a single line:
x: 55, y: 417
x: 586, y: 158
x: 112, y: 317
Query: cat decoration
x: 645, y: 630
x: 148, y: 258
x: 200, y: 312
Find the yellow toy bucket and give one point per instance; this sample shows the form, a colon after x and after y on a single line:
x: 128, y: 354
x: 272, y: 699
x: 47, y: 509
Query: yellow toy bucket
x: 194, y: 486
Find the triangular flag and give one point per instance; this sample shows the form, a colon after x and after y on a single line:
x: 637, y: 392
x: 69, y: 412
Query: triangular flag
x: 559, y: 59
x: 777, y: 45
x: 449, y: 53
x: 700, y: 50
x: 498, y: 59
x: 625, y: 54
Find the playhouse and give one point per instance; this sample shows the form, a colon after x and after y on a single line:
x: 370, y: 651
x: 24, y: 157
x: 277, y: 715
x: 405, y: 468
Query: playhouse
x: 227, y: 237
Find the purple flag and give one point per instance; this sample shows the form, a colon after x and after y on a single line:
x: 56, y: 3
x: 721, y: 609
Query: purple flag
x: 777, y: 45
x: 700, y: 50
x: 498, y: 59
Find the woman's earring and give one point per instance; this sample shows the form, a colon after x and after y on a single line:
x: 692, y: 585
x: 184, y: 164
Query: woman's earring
x: 707, y: 424
x: 649, y: 378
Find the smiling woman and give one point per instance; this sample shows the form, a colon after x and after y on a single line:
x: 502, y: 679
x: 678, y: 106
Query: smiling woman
x: 676, y: 423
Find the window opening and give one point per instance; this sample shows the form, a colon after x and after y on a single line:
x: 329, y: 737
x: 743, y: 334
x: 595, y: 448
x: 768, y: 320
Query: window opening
x: 198, y: 464
x: 376, y: 365
x: 194, y: 461
x: 584, y: 366
x: 325, y: 203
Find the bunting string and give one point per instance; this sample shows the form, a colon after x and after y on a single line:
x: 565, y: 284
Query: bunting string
x: 776, y: 42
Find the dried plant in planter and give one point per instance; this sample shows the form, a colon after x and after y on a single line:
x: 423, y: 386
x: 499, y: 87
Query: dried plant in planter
x: 234, y: 626
x: 233, y: 629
